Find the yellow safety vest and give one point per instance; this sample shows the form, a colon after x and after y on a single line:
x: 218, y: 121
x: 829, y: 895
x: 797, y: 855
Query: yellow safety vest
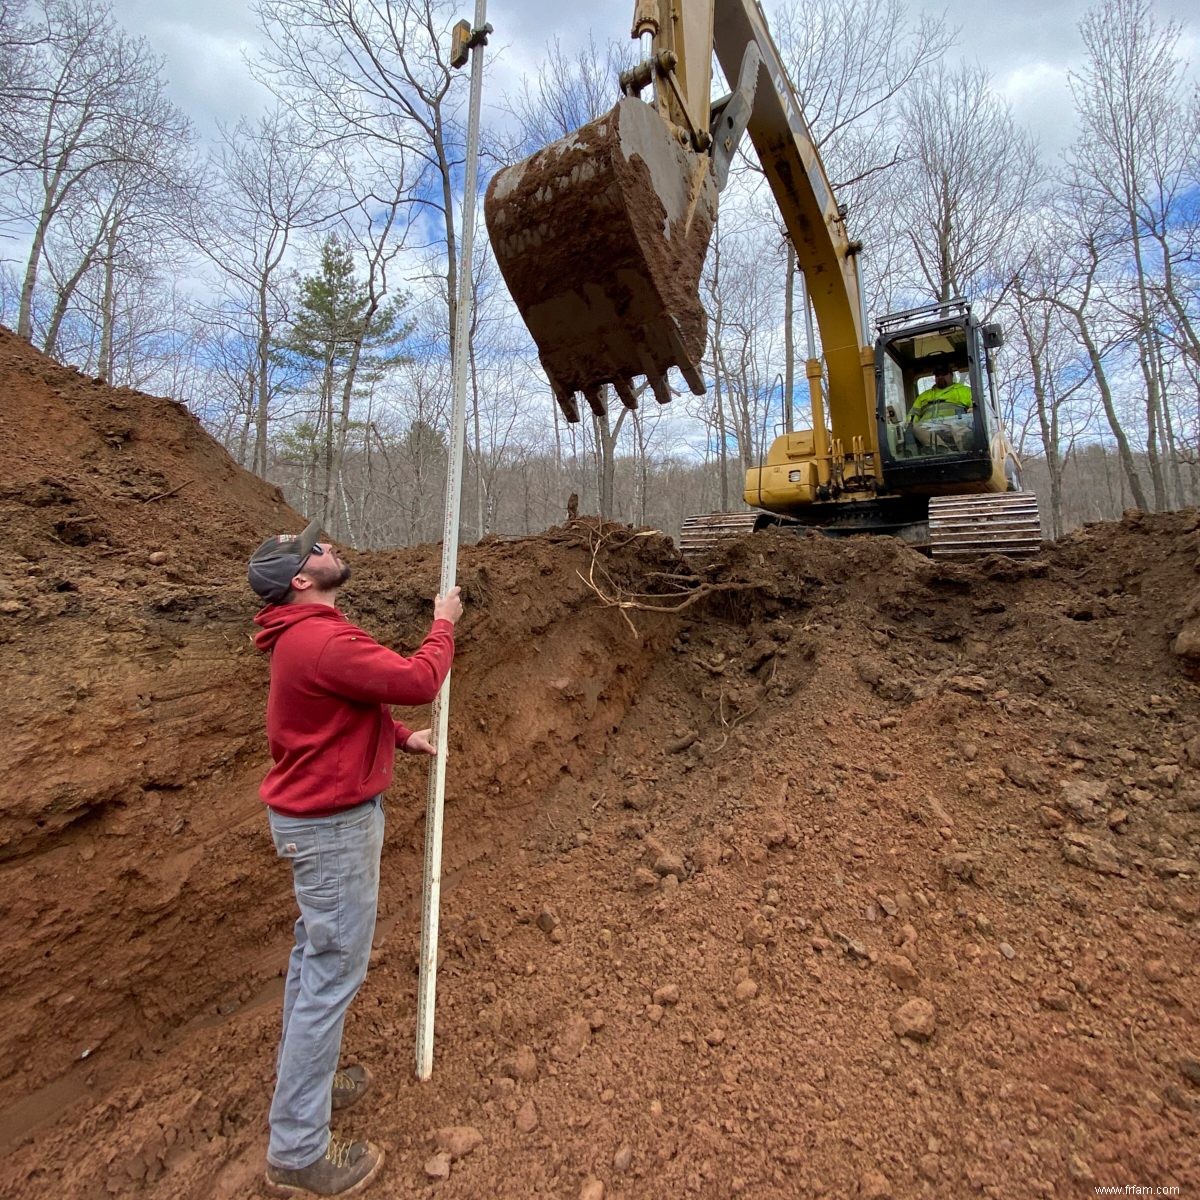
x: 957, y: 396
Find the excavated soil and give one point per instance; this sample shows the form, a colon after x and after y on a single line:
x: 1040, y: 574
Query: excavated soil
x: 855, y: 876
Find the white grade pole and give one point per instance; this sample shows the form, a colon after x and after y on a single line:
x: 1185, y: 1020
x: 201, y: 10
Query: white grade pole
x: 432, y: 892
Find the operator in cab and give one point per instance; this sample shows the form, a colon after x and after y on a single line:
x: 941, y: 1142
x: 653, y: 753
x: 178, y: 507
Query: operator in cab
x: 940, y: 417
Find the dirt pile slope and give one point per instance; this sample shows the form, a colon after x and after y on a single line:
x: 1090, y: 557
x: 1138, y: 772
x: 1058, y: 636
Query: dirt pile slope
x: 854, y: 876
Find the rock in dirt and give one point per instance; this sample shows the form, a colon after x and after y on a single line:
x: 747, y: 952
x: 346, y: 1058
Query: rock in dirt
x: 915, y: 1019
x: 746, y: 990
x: 527, y: 1117
x: 547, y: 921
x: 438, y: 1167
x: 1190, y: 1068
x: 1157, y: 971
x: 644, y: 880
x: 458, y: 1140
x: 1083, y: 798
x: 1079, y: 1169
x: 899, y: 969
x: 1168, y: 868
x: 623, y: 1158
x: 667, y: 994
x: 1055, y: 999
x: 524, y: 1065
x: 1092, y: 853
x: 1025, y: 774
x: 775, y: 830
x: 669, y: 863
x: 574, y: 1038
x: 962, y: 866
x: 592, y: 1189
x: 874, y: 1186
x: 707, y: 854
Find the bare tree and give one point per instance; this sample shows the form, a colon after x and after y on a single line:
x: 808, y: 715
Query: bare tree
x: 1052, y: 375
x: 1081, y: 244
x: 850, y: 61
x: 375, y: 73
x: 21, y: 44
x: 1136, y: 161
x: 124, y: 221
x: 273, y: 186
x: 972, y: 178
x: 99, y: 104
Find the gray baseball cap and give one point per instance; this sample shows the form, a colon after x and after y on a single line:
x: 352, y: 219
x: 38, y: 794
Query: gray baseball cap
x: 279, y: 559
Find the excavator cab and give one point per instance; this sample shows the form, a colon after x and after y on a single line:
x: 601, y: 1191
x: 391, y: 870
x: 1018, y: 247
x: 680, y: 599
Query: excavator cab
x: 938, y: 416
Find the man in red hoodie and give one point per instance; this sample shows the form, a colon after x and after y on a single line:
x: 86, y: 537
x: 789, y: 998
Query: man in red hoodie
x: 333, y: 740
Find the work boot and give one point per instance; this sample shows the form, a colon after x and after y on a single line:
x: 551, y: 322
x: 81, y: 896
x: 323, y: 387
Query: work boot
x: 345, y: 1168
x: 350, y: 1084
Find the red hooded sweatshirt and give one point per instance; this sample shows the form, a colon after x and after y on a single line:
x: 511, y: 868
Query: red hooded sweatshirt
x: 329, y: 727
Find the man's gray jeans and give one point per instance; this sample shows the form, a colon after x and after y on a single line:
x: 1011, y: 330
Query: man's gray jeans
x: 335, y: 869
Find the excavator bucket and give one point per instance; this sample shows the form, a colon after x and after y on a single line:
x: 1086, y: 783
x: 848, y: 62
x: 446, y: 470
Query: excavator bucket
x: 601, y: 239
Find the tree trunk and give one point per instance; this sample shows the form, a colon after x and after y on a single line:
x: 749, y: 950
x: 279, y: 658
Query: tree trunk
x: 326, y: 420
x: 67, y: 291
x: 1110, y: 411
x: 480, y: 489
x: 25, y: 313
x: 263, y: 351
x: 107, y: 315
x: 1047, y: 423
x: 606, y: 455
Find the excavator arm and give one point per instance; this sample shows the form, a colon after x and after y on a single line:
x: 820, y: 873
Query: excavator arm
x: 824, y: 253
x: 601, y: 236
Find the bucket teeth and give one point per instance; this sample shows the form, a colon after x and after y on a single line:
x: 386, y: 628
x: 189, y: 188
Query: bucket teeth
x: 687, y: 368
x: 662, y: 391
x: 563, y: 394
x: 625, y: 391
x: 566, y: 401
x: 597, y: 401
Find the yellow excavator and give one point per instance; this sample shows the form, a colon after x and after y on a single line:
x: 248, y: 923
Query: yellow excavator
x: 601, y: 239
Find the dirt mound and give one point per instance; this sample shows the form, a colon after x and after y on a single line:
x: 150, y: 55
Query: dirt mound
x: 843, y: 873
x: 98, y: 477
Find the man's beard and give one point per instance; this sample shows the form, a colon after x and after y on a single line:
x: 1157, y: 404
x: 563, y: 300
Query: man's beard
x: 331, y: 578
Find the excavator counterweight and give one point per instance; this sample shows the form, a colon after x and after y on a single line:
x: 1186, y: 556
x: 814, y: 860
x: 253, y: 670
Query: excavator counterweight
x: 601, y: 238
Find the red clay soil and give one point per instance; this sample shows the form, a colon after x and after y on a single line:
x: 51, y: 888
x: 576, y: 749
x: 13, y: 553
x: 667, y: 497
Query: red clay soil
x: 857, y: 876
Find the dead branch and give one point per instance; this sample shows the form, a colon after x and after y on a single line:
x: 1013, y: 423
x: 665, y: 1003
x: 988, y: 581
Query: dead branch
x: 164, y: 495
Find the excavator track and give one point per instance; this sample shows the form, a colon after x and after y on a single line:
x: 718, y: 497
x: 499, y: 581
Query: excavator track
x: 967, y: 526
x: 700, y: 534
x: 957, y: 527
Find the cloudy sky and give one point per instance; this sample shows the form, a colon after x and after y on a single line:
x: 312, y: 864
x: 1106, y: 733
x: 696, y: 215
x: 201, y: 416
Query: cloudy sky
x: 1027, y: 45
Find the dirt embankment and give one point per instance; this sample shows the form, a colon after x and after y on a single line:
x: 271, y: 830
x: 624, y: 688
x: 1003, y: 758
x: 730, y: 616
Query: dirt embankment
x: 858, y: 876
